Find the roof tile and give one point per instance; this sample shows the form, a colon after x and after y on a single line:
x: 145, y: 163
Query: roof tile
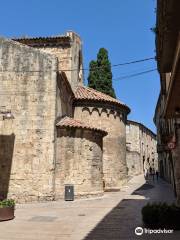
x: 74, y: 123
x: 86, y: 93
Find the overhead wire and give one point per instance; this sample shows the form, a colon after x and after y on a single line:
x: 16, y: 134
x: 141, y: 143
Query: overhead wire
x: 114, y: 65
x: 118, y: 78
x: 134, y: 75
x: 87, y: 69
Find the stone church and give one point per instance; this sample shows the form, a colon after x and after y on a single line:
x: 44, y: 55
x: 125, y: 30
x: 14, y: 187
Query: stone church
x: 53, y: 130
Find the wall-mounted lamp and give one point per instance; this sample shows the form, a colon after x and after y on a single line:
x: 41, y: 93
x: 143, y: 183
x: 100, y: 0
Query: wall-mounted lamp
x: 7, y: 115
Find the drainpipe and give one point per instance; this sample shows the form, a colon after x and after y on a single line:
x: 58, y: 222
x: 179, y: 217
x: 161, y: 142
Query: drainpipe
x: 174, y: 182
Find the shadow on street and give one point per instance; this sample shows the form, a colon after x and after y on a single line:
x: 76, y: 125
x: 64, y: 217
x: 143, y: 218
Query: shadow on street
x: 121, y: 221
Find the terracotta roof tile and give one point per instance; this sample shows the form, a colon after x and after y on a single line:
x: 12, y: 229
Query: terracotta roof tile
x: 44, y: 41
x: 86, y: 93
x: 74, y: 123
x: 50, y: 38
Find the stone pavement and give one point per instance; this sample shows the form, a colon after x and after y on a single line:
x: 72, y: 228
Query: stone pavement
x: 111, y: 217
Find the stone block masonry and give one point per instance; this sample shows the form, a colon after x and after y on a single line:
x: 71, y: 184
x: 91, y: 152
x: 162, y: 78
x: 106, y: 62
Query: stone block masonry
x: 62, y: 132
x: 109, y: 114
x: 67, y: 48
x: 141, y: 152
x: 79, y: 162
x: 114, y: 155
x: 28, y: 90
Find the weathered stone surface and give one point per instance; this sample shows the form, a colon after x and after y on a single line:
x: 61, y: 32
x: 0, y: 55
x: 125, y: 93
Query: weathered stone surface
x: 69, y: 55
x: 141, y: 152
x: 64, y: 98
x: 78, y: 162
x: 112, y: 120
x: 36, y: 159
x: 28, y: 90
x: 38, y: 94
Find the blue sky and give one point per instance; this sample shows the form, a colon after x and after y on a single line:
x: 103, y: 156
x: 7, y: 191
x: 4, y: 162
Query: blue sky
x: 121, y: 26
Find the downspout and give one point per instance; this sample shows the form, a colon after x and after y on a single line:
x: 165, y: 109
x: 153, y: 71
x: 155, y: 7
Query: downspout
x: 174, y: 182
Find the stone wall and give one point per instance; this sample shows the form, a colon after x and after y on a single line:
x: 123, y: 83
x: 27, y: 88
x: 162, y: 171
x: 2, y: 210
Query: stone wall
x: 69, y: 54
x: 133, y: 149
x: 79, y: 162
x: 28, y: 89
x: 141, y: 148
x: 112, y: 120
x: 64, y: 97
x: 77, y: 75
x: 133, y: 160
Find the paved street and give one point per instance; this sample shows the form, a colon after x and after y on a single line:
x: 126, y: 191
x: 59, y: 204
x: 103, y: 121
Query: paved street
x: 111, y: 217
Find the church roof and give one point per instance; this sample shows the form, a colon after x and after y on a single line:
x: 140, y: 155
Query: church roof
x: 74, y: 123
x: 86, y: 93
x: 44, y: 41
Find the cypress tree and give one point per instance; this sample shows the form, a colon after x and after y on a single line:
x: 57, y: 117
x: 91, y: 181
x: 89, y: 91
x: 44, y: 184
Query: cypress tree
x: 100, y: 75
x: 92, y: 74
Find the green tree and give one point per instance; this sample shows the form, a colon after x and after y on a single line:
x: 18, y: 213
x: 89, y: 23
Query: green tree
x: 92, y: 74
x: 100, y: 75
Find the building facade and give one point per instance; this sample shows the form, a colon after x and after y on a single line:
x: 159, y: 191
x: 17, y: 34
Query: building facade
x: 141, y: 149
x: 167, y: 113
x: 79, y: 158
x: 27, y: 92
x: 49, y: 135
x: 68, y: 51
x: 109, y: 114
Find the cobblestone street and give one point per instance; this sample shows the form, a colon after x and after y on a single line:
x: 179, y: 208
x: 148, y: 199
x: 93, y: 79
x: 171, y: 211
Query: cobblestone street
x: 111, y: 217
